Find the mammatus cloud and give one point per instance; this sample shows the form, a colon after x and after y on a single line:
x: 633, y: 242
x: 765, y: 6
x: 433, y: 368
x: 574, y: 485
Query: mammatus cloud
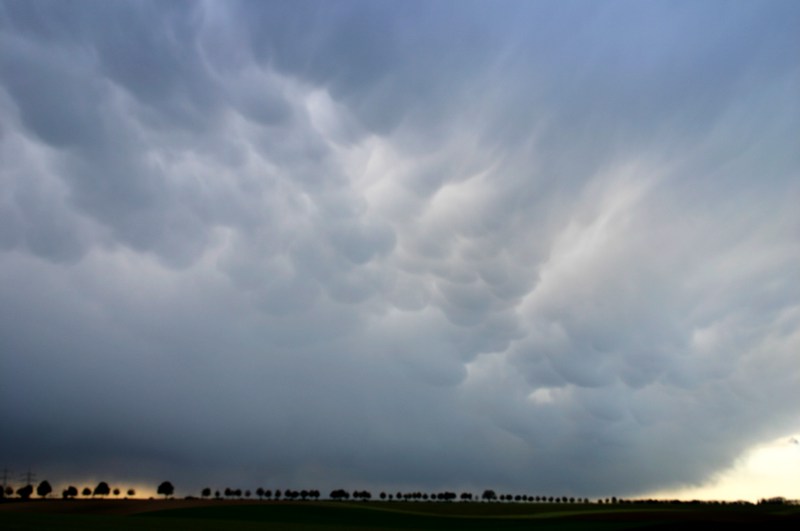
x: 545, y: 247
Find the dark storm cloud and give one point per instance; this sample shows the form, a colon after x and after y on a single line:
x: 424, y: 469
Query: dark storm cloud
x: 541, y: 246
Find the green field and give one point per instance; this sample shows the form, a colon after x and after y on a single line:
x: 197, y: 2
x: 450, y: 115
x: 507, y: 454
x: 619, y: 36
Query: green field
x: 318, y: 516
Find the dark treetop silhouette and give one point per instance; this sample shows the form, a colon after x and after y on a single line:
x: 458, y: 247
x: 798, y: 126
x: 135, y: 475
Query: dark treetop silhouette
x: 102, y: 489
x: 44, y: 489
x: 166, y: 489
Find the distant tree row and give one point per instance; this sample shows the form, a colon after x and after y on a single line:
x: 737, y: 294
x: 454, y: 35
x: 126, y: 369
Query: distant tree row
x: 448, y: 496
x: 44, y: 489
x: 262, y: 493
x: 445, y: 496
x: 102, y: 489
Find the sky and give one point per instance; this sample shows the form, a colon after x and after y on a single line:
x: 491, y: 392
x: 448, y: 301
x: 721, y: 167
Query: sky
x: 544, y: 247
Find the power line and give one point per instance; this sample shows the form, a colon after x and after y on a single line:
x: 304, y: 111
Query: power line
x: 29, y: 477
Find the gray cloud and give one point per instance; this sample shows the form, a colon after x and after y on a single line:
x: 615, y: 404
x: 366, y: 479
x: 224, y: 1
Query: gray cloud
x: 548, y: 247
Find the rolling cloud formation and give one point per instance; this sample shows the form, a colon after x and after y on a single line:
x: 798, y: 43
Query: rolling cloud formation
x: 543, y: 246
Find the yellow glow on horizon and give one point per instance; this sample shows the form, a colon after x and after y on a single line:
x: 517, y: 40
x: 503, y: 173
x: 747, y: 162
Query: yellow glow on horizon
x: 765, y: 471
x: 142, y: 490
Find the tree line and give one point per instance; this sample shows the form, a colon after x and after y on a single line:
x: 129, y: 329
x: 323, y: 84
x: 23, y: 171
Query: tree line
x: 44, y: 489
x: 166, y: 489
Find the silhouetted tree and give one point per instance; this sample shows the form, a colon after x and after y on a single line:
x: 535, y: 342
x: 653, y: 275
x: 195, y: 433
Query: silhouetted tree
x: 25, y: 492
x: 44, y: 489
x: 206, y: 492
x: 102, y: 489
x: 228, y: 492
x: 116, y: 492
x: 247, y: 493
x: 260, y: 493
x: 166, y: 489
x: 268, y: 493
x: 489, y: 495
x: 9, y: 491
x: 216, y: 494
x: 339, y: 494
x: 238, y: 493
x: 131, y: 492
x: 86, y: 491
x: 278, y: 494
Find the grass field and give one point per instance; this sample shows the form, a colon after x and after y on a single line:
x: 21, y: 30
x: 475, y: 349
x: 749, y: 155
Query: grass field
x: 331, y: 516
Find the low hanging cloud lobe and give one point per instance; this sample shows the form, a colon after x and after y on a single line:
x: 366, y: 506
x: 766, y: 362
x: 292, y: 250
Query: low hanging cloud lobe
x: 542, y: 246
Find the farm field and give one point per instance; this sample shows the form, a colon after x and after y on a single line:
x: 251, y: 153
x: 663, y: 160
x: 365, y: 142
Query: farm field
x: 320, y: 516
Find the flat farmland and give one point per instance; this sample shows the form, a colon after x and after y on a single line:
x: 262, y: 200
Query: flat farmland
x: 324, y: 515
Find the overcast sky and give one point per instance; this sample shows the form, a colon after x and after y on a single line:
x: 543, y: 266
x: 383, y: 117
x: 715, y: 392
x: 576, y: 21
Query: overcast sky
x: 547, y: 247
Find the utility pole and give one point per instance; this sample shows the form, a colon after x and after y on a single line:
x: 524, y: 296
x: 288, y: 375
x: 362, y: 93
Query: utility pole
x: 29, y: 478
